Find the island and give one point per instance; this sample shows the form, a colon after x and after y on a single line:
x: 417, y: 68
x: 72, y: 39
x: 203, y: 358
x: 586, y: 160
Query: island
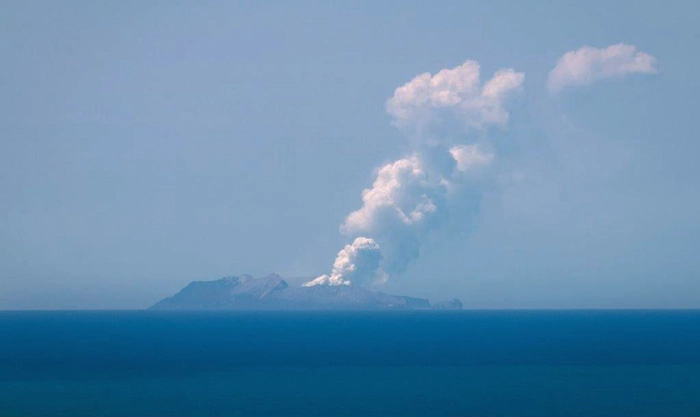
x: 245, y: 292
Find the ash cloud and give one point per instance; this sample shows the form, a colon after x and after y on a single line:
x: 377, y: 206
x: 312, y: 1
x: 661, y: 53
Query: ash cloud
x: 412, y: 196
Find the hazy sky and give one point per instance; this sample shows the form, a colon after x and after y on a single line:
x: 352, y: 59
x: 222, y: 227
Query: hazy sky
x: 146, y: 145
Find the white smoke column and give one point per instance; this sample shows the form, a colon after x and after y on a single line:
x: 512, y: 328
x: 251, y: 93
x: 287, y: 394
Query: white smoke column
x: 354, y: 263
x: 411, y: 196
x: 399, y: 208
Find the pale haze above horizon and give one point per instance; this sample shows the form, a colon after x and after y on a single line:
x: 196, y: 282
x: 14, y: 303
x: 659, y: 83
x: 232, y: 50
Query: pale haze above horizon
x: 534, y: 155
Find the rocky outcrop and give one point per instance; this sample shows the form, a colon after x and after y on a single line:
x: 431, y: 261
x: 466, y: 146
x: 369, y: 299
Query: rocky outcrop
x: 453, y: 304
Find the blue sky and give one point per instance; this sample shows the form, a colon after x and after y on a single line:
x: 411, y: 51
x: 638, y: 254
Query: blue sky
x: 145, y: 146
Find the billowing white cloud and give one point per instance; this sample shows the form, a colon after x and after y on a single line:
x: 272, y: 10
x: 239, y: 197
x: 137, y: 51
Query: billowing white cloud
x: 405, y: 201
x: 455, y: 92
x: 587, y: 65
x: 402, y: 193
x: 413, y: 195
x: 357, y: 262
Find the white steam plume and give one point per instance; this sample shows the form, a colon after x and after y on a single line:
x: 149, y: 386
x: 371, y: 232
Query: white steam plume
x: 411, y: 196
x: 358, y: 261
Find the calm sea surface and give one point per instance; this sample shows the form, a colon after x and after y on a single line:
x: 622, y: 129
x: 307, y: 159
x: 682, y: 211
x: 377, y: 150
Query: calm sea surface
x: 469, y: 363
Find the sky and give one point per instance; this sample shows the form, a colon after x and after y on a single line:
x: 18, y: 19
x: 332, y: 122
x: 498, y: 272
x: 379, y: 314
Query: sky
x: 147, y: 145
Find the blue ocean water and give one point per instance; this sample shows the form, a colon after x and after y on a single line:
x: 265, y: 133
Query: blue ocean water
x: 417, y: 363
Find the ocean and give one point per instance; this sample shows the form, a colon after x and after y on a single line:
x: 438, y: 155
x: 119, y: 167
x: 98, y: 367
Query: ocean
x: 388, y: 363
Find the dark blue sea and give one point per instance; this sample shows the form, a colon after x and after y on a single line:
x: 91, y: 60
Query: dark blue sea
x: 468, y: 363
